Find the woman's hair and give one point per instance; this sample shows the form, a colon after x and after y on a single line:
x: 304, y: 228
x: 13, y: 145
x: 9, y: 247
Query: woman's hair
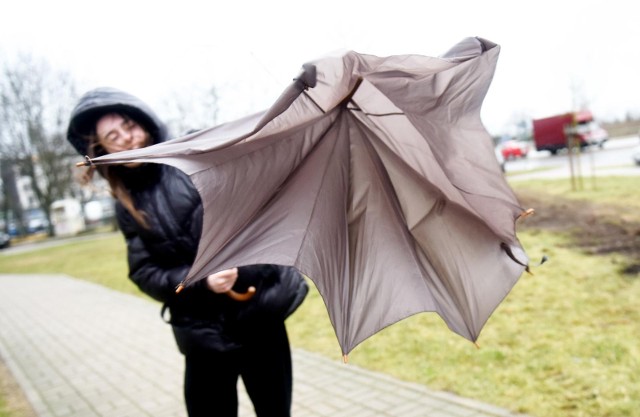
x: 112, y: 175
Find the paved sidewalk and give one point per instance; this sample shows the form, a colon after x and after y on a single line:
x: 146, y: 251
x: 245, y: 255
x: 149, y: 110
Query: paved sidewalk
x: 81, y: 350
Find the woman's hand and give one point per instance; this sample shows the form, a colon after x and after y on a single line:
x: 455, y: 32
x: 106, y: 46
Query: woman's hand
x: 222, y: 281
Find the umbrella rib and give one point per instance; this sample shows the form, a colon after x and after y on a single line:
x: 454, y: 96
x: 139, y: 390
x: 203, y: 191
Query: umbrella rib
x: 314, y: 102
x: 472, y: 212
x: 315, y: 204
x: 378, y: 114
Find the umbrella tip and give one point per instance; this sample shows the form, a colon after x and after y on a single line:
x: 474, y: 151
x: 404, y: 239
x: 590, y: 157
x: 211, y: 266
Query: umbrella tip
x: 526, y: 213
x: 179, y: 288
x: 544, y: 259
x: 86, y: 163
x: 345, y: 359
x: 476, y: 345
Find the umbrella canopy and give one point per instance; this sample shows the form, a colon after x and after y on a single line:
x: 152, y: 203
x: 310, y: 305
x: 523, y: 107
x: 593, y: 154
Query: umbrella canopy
x: 375, y: 178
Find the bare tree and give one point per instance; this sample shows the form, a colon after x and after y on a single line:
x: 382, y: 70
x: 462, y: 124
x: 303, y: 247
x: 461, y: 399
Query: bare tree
x: 190, y: 109
x: 579, y: 96
x: 10, y: 196
x: 35, y: 102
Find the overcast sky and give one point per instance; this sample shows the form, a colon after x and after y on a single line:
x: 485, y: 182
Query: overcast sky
x: 552, y: 52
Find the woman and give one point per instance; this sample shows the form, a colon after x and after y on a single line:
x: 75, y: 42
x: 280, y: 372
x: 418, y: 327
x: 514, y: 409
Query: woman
x: 160, y: 214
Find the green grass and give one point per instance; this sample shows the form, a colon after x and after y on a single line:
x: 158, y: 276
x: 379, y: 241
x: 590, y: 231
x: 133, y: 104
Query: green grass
x: 564, y: 343
x: 620, y: 191
x: 527, y: 171
x: 102, y: 261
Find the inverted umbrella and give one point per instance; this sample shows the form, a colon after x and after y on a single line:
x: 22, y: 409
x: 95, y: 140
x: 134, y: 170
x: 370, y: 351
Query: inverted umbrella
x: 375, y: 178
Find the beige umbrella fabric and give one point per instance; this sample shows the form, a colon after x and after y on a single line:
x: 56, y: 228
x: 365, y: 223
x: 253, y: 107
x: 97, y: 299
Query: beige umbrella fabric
x: 376, y: 178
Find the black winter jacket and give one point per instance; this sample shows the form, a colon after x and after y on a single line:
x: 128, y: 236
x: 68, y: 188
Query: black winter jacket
x: 160, y: 257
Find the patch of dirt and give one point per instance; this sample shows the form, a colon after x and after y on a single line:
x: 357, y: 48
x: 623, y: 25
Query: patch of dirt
x: 12, y: 400
x: 597, y: 229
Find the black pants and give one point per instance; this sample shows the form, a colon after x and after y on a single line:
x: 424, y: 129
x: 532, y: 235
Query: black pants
x: 264, y: 362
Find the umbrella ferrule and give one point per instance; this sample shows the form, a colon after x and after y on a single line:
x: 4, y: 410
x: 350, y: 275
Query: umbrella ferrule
x: 86, y: 163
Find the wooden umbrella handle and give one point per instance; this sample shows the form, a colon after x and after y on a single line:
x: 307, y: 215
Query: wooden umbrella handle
x: 239, y: 296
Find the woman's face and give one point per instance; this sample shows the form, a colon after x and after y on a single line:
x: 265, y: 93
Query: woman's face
x: 116, y: 133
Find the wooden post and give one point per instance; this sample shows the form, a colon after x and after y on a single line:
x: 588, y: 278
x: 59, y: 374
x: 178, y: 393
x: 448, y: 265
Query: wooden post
x: 568, y: 133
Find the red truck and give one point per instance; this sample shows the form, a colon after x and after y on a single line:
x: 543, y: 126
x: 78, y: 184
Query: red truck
x: 550, y: 133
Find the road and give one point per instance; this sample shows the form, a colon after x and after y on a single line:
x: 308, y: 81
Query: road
x: 613, y: 159
x: 50, y: 242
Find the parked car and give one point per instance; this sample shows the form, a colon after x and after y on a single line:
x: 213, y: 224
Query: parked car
x: 5, y: 240
x: 500, y: 159
x: 36, y: 221
x: 512, y: 149
x: 635, y: 154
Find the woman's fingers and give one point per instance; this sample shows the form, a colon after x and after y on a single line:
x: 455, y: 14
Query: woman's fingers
x: 222, y: 281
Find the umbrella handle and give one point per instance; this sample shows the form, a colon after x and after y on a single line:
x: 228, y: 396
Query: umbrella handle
x: 239, y: 296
